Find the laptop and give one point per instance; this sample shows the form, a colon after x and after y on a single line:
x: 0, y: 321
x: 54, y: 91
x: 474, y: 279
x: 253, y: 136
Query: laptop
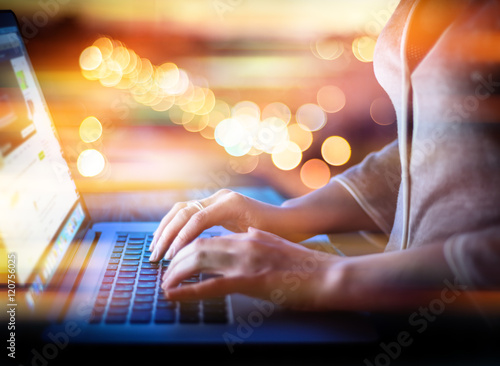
x: 92, y: 282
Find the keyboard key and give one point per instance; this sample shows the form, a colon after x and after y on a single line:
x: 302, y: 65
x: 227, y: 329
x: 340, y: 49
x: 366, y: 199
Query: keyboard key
x: 95, y: 318
x: 146, y: 285
x: 116, y: 255
x: 131, y: 257
x: 114, y: 261
x: 142, y: 299
x: 190, y: 305
x: 136, y: 237
x: 145, y: 291
x: 121, y: 295
x: 149, y: 271
x: 143, y: 306
x: 129, y: 269
x: 125, y: 281
x: 117, y: 311
x: 118, y: 250
x: 112, y: 267
x: 126, y: 274
x: 147, y: 278
x: 106, y: 287
x: 110, y: 274
x: 101, y: 302
x: 214, y: 301
x: 103, y: 294
x: 135, y: 247
x: 130, y: 263
x: 165, y: 316
x: 124, y: 288
x: 165, y: 304
x: 118, y: 303
x: 215, y: 317
x: 140, y: 317
x: 189, y: 312
x: 116, y: 319
x: 150, y: 265
x: 107, y: 280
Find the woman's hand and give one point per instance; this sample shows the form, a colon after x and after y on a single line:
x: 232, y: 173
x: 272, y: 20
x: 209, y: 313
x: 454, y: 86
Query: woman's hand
x: 257, y: 264
x: 229, y: 209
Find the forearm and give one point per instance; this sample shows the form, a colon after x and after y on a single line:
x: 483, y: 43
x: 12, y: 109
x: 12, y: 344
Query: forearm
x: 331, y: 209
x: 395, y: 280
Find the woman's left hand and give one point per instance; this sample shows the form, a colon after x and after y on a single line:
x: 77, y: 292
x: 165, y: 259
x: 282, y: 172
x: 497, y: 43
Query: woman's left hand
x: 258, y: 264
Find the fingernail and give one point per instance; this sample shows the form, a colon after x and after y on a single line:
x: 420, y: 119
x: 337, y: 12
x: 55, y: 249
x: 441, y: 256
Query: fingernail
x: 170, y: 253
x: 152, y: 257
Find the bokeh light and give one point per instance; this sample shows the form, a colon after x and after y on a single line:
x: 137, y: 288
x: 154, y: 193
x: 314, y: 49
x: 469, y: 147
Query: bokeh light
x: 90, y: 129
x: 363, y: 48
x: 303, y: 138
x: 331, y: 98
x: 311, y: 117
x: 336, y: 150
x: 382, y: 111
x: 90, y: 58
x: 90, y: 163
x: 327, y: 49
x: 287, y: 158
x: 279, y: 110
x: 272, y: 135
x: 315, y: 173
x: 244, y: 165
x: 246, y: 108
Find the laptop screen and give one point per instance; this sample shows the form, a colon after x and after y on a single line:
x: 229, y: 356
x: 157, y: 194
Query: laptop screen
x: 40, y: 211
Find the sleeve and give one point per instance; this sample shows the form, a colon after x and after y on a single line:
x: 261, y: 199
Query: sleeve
x: 374, y: 184
x: 474, y: 258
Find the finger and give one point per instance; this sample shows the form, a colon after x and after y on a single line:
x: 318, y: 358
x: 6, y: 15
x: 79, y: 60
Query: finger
x: 212, y: 215
x: 171, y: 230
x: 213, y: 287
x: 207, y: 255
x: 272, y: 238
x: 164, y: 222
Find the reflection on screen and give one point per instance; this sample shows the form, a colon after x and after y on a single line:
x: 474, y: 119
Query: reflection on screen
x: 37, y: 192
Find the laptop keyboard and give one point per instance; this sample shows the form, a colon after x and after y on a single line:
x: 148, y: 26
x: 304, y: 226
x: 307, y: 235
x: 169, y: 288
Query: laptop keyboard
x: 130, y: 291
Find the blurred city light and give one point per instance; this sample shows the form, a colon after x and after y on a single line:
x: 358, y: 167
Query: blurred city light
x: 336, y: 150
x: 288, y: 157
x: 331, y: 98
x: 311, y: 117
x: 315, y: 173
x: 90, y: 129
x: 90, y: 163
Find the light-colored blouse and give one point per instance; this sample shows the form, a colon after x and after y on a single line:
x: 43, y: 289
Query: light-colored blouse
x: 440, y: 181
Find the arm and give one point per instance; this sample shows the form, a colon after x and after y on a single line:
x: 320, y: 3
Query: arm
x: 362, y: 198
x: 330, y: 209
x: 263, y: 265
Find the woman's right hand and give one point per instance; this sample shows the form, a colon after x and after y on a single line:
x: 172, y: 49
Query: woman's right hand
x: 187, y: 220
